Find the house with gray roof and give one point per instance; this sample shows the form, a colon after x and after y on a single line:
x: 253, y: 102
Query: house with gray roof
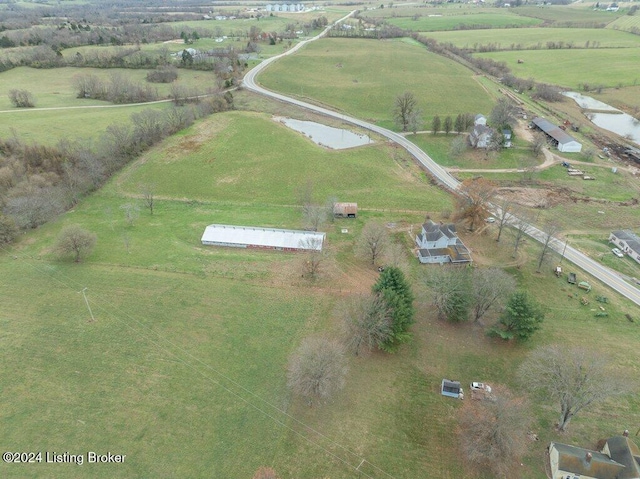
x: 627, y: 241
x: 439, y: 243
x: 618, y: 459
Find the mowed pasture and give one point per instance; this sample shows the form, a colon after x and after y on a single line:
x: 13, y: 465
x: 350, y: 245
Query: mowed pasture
x: 184, y: 368
x: 626, y: 22
x: 572, y: 68
x: 364, y: 77
x: 54, y: 87
x: 253, y: 153
x: 463, y: 21
x: 538, y: 38
x: 574, y: 15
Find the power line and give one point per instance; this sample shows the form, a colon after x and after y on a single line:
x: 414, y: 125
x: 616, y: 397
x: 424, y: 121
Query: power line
x: 219, y: 373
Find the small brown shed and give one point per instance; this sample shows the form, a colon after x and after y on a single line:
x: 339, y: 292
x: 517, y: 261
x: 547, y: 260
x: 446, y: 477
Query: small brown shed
x: 345, y: 210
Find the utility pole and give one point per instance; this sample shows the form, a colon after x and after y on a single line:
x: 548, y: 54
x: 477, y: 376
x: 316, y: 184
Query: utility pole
x: 565, y: 249
x: 87, y: 302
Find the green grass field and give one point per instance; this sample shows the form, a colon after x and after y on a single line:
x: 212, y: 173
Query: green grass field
x: 570, y: 68
x: 626, y: 23
x: 537, y: 38
x: 463, y: 22
x: 573, y: 15
x: 363, y: 77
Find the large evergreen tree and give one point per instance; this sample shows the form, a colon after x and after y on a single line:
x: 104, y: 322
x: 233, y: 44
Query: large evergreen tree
x: 396, y: 291
x: 521, y: 318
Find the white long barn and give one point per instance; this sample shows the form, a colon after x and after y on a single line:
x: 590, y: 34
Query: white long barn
x: 262, y: 238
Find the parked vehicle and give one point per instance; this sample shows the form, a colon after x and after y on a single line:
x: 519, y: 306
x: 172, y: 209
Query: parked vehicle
x: 617, y: 252
x: 571, y: 278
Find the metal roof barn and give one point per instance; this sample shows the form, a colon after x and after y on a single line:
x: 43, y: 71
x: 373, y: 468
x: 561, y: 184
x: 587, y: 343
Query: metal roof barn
x: 267, y: 238
x: 566, y: 143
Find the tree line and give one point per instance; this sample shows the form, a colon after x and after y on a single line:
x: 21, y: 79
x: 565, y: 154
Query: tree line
x: 38, y: 182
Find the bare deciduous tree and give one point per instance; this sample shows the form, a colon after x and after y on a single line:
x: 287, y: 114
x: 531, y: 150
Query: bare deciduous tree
x: 75, y: 241
x: 367, y: 323
x: 148, y: 195
x: 406, y: 113
x: 396, y: 255
x: 576, y: 377
x: 491, y: 287
x: 131, y: 213
x: 493, y: 432
x: 317, y: 369
x: 473, y: 201
x: 521, y: 228
x: 373, y: 241
x: 505, y: 206
x: 21, y: 99
x: 538, y: 143
x: 550, y: 231
x: 452, y: 293
x: 313, y: 259
x: 503, y: 114
x: 314, y: 216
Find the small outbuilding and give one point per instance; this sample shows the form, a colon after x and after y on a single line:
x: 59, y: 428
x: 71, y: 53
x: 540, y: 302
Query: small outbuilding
x: 451, y: 389
x: 564, y: 142
x: 262, y: 238
x: 345, y: 210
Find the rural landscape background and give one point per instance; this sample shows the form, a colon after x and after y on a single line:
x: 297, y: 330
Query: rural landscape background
x: 182, y: 360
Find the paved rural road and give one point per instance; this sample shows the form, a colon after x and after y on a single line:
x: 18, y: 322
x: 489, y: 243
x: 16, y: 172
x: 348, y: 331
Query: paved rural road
x: 581, y: 260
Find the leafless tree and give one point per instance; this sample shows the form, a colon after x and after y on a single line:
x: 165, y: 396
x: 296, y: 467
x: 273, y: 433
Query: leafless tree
x: 521, y: 227
x: 452, y: 293
x: 505, y: 206
x: 21, y: 98
x: 373, y: 241
x: 148, y: 195
x: 314, y: 257
x: 330, y: 205
x: 406, y: 113
x: 491, y: 287
x: 131, y: 213
x: 474, y: 200
x: 396, y: 255
x: 317, y: 369
x: 458, y: 146
x: 493, y: 432
x: 314, y: 216
x: 503, y: 114
x: 576, y: 377
x: 367, y: 323
x: 75, y: 241
x: 538, y: 143
x: 550, y: 231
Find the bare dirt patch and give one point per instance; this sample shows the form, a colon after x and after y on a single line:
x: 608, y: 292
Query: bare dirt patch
x: 534, y: 197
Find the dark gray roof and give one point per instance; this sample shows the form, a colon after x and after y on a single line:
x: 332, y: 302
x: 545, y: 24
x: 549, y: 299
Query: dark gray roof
x: 624, y: 451
x: 553, y: 131
x: 573, y: 459
x: 434, y: 231
x: 434, y: 252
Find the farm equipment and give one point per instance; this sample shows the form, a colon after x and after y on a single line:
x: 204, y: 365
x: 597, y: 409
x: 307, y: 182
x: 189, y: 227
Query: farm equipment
x: 584, y: 285
x: 558, y: 271
x: 602, y: 299
x: 571, y: 279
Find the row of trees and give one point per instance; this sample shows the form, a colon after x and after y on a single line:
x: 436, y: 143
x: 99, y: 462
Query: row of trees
x: 38, y: 182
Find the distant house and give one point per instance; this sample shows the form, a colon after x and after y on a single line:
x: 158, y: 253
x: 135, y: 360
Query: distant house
x: 451, y: 389
x: 439, y: 243
x: 565, y: 143
x: 345, y: 210
x: 618, y: 459
x: 627, y: 241
x: 481, y: 136
x: 480, y: 120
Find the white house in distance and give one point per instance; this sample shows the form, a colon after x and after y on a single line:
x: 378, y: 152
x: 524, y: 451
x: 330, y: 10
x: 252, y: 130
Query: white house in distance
x: 565, y: 143
x: 439, y: 243
x: 262, y: 238
x: 481, y: 135
x: 627, y: 241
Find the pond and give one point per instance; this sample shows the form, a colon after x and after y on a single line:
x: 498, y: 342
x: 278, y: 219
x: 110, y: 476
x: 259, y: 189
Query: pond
x: 327, y: 136
x: 617, y: 122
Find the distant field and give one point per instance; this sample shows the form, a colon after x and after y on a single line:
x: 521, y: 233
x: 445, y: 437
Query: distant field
x: 537, y: 38
x: 568, y: 15
x: 48, y: 127
x: 626, y: 22
x: 54, y: 87
x: 463, y: 22
x: 620, y: 97
x: 226, y: 169
x: 570, y: 68
x: 363, y: 77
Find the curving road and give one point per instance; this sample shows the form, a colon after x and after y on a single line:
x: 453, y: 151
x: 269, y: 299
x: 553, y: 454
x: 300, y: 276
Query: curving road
x: 581, y: 260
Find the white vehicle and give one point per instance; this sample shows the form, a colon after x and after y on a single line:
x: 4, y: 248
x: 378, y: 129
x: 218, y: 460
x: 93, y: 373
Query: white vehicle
x: 491, y: 219
x: 617, y: 252
x: 481, y: 387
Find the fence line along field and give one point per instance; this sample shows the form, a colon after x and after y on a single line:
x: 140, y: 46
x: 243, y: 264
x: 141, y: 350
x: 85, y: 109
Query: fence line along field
x: 472, y: 21
x: 350, y: 75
